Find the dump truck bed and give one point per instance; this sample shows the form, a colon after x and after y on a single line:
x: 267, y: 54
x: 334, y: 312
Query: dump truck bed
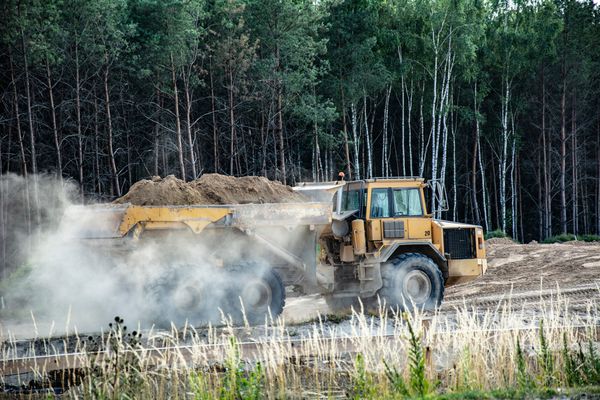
x: 105, y: 221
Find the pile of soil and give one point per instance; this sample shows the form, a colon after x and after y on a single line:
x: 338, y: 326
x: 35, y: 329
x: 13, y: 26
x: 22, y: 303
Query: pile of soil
x: 499, y: 241
x: 211, y: 189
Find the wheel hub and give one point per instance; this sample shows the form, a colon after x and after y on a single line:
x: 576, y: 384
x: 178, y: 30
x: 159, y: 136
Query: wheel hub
x: 256, y: 294
x: 417, y: 286
x: 187, y: 297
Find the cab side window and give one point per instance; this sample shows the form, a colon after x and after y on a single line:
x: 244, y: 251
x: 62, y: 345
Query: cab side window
x: 354, y: 200
x: 380, y: 203
x: 407, y: 202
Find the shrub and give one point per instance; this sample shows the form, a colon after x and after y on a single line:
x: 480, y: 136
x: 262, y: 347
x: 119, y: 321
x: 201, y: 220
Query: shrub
x: 498, y: 233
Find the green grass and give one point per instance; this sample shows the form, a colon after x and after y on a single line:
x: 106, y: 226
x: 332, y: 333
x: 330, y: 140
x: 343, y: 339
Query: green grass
x: 569, y: 237
x: 498, y: 233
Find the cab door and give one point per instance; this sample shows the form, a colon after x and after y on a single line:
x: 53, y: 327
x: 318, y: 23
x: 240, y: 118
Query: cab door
x: 398, y: 214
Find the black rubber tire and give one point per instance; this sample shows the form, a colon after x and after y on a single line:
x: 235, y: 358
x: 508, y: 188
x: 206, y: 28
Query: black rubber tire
x: 260, y: 289
x: 179, y: 296
x: 412, y: 280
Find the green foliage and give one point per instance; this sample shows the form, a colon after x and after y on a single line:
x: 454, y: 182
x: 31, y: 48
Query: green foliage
x: 524, y: 381
x: 237, y: 382
x: 581, y: 368
x: 362, y: 381
x: 396, y: 380
x: 546, y: 359
x: 418, y: 383
x: 200, y: 386
x: 498, y: 233
x: 593, y: 364
x: 569, y: 237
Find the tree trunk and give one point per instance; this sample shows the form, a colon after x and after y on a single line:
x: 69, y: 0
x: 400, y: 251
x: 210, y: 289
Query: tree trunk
x: 34, y: 170
x: 541, y: 198
x: 408, y: 124
x: 78, y: 114
x: 502, y: 167
x: 97, y: 146
x: 494, y: 196
x: 157, y: 129
x: 54, y: 124
x: 385, y: 160
x: 29, y: 112
x: 214, y: 120
x: 111, y: 152
x: 264, y: 132
x: 513, y: 187
x: 422, y: 147
x: 368, y: 139
x: 280, y: 121
x: 433, y: 134
x: 474, y: 160
x: 563, y: 157
x: 574, y: 194
x: 598, y: 174
x: 345, y: 133
x: 454, y: 183
x: 18, y: 118
x: 232, y: 135
x: 177, y: 120
x: 546, y: 169
x: 356, y: 140
x: 21, y: 146
x: 188, y: 125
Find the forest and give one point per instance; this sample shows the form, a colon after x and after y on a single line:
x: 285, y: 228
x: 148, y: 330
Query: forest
x: 498, y: 100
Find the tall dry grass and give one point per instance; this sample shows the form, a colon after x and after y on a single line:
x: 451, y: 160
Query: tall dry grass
x: 367, y: 355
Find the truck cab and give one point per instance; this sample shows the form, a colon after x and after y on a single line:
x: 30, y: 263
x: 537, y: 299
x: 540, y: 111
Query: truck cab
x: 384, y: 242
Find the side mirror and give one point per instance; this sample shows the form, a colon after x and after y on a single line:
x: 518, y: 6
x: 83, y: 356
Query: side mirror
x: 439, y: 194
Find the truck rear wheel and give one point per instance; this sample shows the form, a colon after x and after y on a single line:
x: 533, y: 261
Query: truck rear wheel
x: 412, y: 280
x: 179, y: 295
x: 261, y: 291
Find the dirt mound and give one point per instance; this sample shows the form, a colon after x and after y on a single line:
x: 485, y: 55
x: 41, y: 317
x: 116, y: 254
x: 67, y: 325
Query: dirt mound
x: 499, y: 241
x: 222, y: 189
x: 208, y: 189
x: 162, y: 191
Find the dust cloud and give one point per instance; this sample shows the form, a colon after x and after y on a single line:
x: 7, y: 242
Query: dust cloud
x: 59, y: 280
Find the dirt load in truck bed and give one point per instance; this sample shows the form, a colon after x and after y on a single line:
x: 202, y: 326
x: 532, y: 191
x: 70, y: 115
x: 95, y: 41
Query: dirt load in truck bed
x: 208, y: 189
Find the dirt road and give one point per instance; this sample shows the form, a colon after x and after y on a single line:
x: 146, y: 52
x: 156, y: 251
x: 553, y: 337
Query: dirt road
x: 514, y: 270
x: 521, y: 272
x: 532, y: 267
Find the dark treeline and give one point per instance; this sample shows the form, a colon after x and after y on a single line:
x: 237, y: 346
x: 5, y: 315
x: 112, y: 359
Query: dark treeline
x: 498, y: 100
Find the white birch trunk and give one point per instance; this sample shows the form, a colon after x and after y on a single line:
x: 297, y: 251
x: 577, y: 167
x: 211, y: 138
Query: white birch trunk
x: 385, y: 159
x: 422, y: 149
x: 368, y: 140
x: 481, y: 169
x: 403, y: 132
x: 503, y: 157
x: 433, y: 134
x: 513, y: 186
x: 356, y: 140
x: 408, y: 123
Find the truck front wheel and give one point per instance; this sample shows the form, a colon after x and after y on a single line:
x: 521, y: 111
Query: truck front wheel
x: 412, y: 280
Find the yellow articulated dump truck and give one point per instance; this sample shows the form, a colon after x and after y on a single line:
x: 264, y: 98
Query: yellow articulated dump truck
x: 370, y: 239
